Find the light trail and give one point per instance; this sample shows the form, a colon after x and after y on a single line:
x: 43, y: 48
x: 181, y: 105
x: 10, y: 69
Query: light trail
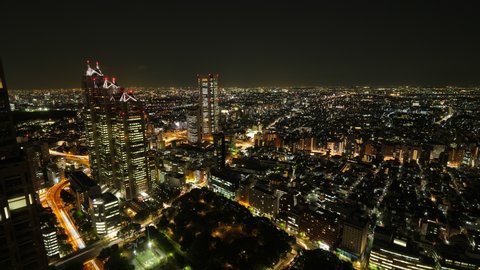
x: 54, y: 201
x: 94, y: 263
x: 73, y: 232
x: 56, y: 153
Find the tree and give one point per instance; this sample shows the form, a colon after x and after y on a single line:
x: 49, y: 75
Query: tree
x: 74, y: 266
x: 104, y: 254
x: 214, y: 231
x: 117, y: 262
x: 312, y: 259
x: 65, y: 248
x: 141, y: 216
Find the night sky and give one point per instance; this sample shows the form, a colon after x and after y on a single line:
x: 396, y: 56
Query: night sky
x: 275, y: 43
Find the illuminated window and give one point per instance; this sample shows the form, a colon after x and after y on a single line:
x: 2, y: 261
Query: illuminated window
x: 1, y: 84
x: 16, y: 203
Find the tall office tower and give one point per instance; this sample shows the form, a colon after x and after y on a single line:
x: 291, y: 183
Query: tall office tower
x: 194, y: 133
x: 115, y: 127
x: 98, y: 124
x: 130, y: 145
x: 209, y: 97
x: 220, y: 149
x: 20, y: 236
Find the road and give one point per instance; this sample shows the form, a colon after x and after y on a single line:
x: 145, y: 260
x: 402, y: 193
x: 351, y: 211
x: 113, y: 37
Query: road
x: 286, y: 261
x: 53, y: 200
x: 170, y: 136
x: 78, y: 158
x: 87, y: 255
x: 62, y: 154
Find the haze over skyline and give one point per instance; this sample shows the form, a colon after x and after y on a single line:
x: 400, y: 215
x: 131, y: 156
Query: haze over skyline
x: 45, y: 45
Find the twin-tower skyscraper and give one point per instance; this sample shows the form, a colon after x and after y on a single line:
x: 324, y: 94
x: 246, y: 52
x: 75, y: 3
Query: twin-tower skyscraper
x: 115, y: 129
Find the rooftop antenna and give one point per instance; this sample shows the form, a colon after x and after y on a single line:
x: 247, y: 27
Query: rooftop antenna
x: 91, y: 71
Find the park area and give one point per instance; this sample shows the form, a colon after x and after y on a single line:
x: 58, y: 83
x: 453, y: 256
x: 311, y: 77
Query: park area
x: 149, y: 258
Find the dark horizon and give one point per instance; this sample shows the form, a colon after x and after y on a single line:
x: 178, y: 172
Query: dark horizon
x: 273, y: 43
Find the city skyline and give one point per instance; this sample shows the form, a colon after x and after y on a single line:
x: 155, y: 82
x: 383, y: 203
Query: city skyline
x: 281, y: 43
x: 357, y: 177
x: 279, y: 135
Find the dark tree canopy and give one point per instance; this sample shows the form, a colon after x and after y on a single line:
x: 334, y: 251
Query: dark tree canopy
x: 320, y: 259
x: 216, y: 233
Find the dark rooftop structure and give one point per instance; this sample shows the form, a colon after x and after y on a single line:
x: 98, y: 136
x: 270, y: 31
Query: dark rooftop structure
x: 80, y: 181
x: 84, y: 188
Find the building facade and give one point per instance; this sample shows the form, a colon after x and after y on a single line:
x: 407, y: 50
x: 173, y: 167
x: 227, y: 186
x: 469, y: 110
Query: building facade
x: 115, y: 129
x: 20, y: 235
x: 50, y: 241
x: 354, y: 236
x: 194, y: 133
x: 106, y: 214
x: 209, y: 99
x: 130, y: 148
x: 224, y: 183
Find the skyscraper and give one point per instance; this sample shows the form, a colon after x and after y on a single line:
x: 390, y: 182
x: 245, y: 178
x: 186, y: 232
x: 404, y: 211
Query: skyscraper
x: 106, y: 214
x: 209, y: 98
x: 20, y: 236
x: 98, y: 124
x: 130, y: 145
x: 115, y: 127
x: 220, y: 149
x: 193, y: 126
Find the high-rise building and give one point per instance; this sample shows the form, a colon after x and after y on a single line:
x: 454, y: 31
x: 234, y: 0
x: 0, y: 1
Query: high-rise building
x: 194, y: 133
x: 115, y: 127
x: 20, y: 236
x: 220, y: 149
x: 130, y: 146
x: 354, y: 236
x: 37, y: 160
x: 106, y: 214
x: 98, y: 114
x: 320, y: 225
x: 50, y: 240
x: 209, y: 99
